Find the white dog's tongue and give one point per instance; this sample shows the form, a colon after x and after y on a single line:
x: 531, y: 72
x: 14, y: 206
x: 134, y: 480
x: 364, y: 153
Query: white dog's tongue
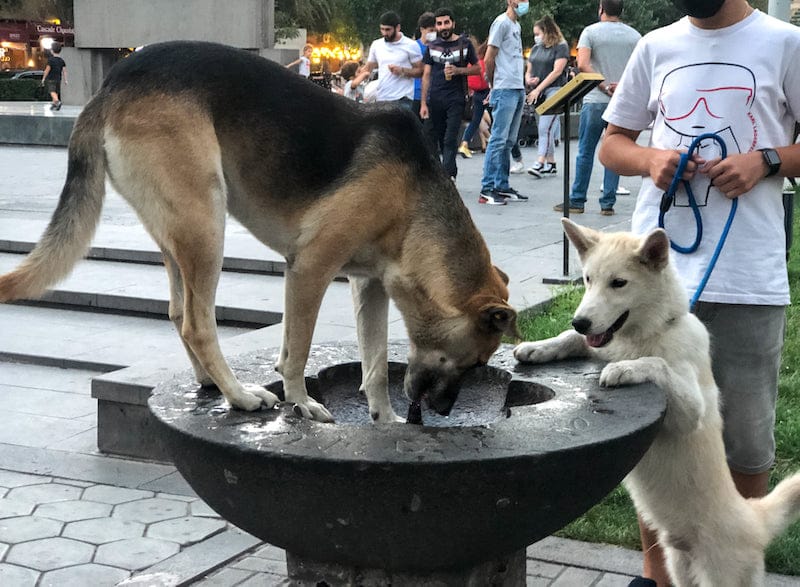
x: 598, y: 340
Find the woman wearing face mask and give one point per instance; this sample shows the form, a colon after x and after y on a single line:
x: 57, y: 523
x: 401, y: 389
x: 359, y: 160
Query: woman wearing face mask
x: 546, y: 73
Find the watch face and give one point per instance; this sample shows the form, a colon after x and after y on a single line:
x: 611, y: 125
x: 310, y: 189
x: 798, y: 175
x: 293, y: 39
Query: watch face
x: 772, y: 157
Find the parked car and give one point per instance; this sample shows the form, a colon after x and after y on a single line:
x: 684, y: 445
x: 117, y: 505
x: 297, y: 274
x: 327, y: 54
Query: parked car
x: 32, y: 79
x: 34, y: 74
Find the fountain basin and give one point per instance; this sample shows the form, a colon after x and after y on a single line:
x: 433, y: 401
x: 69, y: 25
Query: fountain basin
x: 541, y: 446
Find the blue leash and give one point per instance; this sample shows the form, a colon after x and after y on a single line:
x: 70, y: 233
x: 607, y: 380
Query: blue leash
x: 669, y: 197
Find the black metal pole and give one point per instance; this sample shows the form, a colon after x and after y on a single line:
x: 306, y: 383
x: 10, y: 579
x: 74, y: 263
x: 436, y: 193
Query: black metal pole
x: 566, y: 138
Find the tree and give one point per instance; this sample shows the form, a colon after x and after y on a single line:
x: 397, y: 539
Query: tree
x: 37, y: 10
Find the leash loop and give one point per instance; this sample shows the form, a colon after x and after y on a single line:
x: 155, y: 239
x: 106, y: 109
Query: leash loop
x: 668, y: 198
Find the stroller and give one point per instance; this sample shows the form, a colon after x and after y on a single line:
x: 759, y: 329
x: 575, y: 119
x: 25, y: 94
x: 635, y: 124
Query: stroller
x: 528, y: 127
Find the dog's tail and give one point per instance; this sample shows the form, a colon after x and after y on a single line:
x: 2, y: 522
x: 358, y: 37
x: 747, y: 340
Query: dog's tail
x: 72, y: 226
x: 781, y: 507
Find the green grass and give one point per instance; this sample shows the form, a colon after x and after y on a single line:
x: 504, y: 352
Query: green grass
x: 613, y: 520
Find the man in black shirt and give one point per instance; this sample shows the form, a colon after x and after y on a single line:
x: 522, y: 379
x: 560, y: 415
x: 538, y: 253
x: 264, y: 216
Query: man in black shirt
x: 448, y: 61
x: 54, y: 73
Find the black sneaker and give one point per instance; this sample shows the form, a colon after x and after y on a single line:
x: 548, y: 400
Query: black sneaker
x: 512, y: 195
x: 541, y: 169
x: 491, y: 197
x: 536, y: 170
x: 57, y: 105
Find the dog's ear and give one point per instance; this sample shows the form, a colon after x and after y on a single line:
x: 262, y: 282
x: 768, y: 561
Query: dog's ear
x: 582, y: 238
x: 502, y: 319
x: 501, y: 273
x: 654, y: 251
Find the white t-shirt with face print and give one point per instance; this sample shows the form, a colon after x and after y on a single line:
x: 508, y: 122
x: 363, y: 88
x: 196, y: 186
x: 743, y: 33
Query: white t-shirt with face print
x: 743, y: 84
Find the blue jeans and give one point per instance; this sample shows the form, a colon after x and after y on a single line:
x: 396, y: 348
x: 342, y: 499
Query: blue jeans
x: 507, y: 114
x: 590, y: 129
x: 477, y: 114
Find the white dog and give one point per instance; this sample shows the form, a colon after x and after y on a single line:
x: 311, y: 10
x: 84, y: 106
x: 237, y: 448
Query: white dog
x: 635, y: 314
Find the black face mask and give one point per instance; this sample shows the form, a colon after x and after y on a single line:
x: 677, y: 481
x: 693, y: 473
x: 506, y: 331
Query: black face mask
x: 698, y: 8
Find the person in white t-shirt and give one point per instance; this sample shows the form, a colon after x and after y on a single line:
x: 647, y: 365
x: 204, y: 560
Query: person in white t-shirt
x: 303, y: 63
x: 730, y: 70
x: 398, y: 59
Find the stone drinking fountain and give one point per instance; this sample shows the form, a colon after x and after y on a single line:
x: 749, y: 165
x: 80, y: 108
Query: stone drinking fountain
x: 525, y: 450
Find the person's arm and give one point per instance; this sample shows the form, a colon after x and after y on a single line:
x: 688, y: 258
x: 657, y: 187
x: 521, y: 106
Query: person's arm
x: 489, y: 61
x: 585, y: 66
x: 738, y: 173
x: 359, y: 78
x: 64, y: 74
x: 45, y: 74
x: 472, y: 69
x: 620, y: 153
x: 558, y: 68
x: 529, y: 77
x: 426, y: 85
x: 293, y: 63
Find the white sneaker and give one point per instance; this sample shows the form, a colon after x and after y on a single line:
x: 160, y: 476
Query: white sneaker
x: 621, y: 190
x: 517, y: 167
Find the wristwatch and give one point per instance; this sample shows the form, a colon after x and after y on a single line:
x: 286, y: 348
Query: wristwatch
x: 772, y: 159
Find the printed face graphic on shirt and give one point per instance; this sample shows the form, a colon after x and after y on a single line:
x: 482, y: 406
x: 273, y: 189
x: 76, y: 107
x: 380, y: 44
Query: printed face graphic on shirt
x: 709, y: 98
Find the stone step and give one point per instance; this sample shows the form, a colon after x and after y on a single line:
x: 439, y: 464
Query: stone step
x: 136, y: 288
x: 88, y: 340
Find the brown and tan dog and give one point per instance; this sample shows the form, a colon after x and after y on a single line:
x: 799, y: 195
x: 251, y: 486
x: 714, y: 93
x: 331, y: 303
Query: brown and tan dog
x: 187, y: 131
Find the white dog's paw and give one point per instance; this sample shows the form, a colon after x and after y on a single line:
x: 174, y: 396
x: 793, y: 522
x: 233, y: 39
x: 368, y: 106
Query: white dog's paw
x: 252, y: 397
x: 542, y: 351
x: 623, y: 373
x: 311, y: 409
x: 386, y: 417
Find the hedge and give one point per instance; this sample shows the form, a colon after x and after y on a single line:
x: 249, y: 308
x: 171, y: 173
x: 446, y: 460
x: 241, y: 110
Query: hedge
x: 21, y: 90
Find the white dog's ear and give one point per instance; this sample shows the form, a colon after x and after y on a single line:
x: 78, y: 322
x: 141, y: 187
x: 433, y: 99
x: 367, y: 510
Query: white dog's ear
x: 582, y: 238
x: 654, y: 251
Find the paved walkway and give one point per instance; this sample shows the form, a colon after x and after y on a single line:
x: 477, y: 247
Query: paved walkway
x: 70, y: 515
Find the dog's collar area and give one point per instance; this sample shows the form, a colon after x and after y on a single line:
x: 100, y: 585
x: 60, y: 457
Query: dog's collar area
x: 602, y: 339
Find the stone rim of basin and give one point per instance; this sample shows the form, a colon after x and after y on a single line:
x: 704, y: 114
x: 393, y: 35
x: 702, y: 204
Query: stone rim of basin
x: 579, y: 413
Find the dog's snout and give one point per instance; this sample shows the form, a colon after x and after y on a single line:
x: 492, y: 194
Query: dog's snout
x: 582, y: 325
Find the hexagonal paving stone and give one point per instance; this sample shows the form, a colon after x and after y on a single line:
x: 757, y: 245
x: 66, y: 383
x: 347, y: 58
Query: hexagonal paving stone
x: 202, y: 509
x: 50, y: 553
x: 114, y: 495
x: 151, y: 510
x: 103, y: 530
x: 186, y: 530
x: 17, y: 576
x: 11, y: 508
x: 90, y: 574
x: 13, y: 479
x: 136, y: 553
x: 14, y: 530
x: 3, y: 549
x: 73, y: 511
x: 45, y: 493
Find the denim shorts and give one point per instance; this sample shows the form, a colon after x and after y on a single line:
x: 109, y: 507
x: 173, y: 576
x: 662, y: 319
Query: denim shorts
x: 746, y: 345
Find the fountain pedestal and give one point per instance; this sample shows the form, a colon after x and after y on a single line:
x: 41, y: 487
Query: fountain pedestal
x: 525, y: 450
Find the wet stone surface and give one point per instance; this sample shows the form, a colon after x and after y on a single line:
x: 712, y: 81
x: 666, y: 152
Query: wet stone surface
x: 525, y: 450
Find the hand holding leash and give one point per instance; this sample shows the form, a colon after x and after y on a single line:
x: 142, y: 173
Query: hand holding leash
x: 736, y: 175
